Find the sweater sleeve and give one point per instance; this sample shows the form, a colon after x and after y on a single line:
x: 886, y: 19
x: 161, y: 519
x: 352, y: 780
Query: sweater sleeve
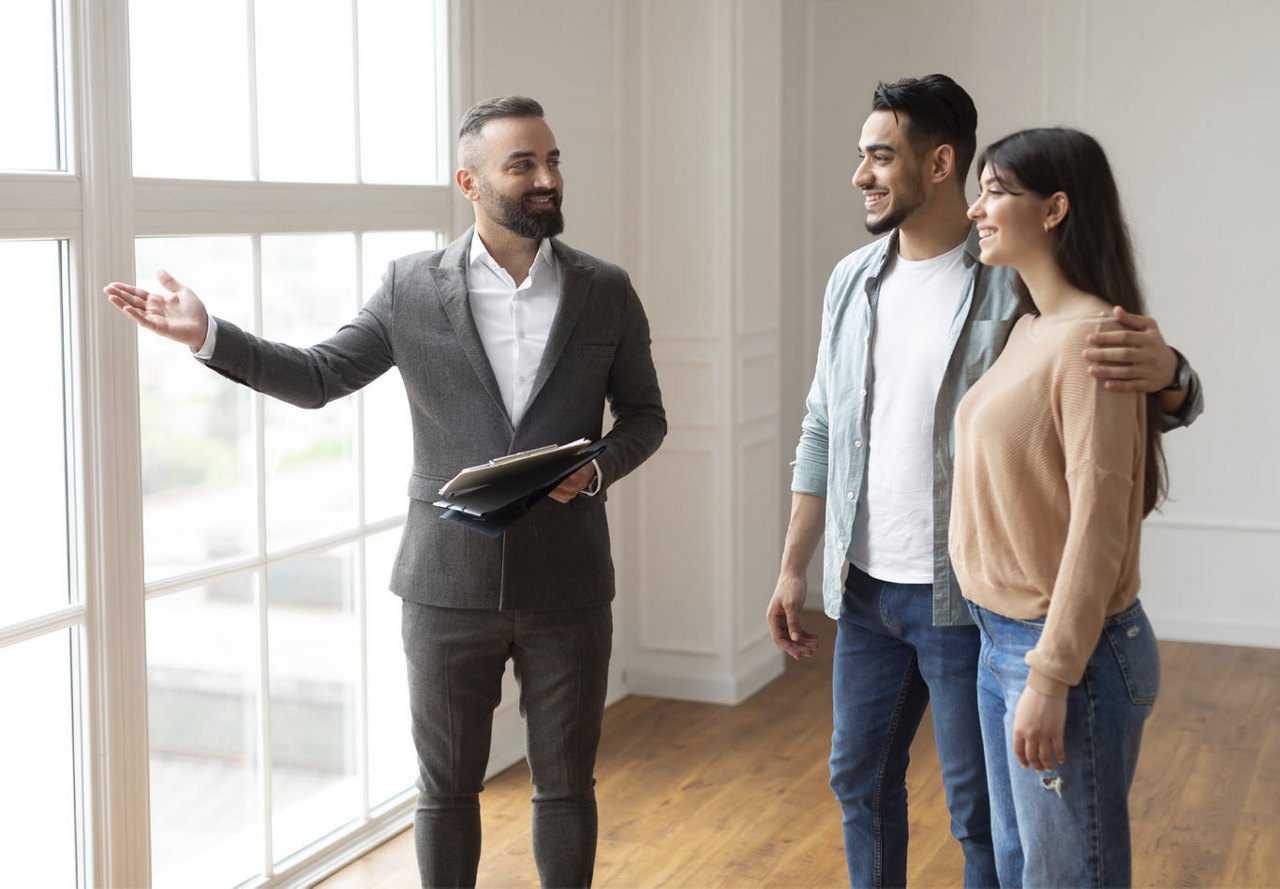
x: 1103, y: 437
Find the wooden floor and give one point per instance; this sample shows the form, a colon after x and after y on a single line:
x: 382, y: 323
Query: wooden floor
x: 700, y: 795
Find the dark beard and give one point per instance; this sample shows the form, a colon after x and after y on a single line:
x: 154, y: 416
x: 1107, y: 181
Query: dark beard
x: 909, y: 201
x: 888, y: 223
x: 533, y: 224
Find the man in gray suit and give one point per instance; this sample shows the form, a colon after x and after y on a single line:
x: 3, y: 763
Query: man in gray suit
x: 506, y: 340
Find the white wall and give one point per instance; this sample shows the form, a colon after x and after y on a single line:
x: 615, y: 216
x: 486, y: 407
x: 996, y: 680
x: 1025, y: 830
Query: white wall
x: 704, y: 137
x: 1181, y: 94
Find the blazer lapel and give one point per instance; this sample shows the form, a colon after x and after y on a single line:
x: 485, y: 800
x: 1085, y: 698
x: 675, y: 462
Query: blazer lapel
x: 450, y: 279
x: 575, y: 285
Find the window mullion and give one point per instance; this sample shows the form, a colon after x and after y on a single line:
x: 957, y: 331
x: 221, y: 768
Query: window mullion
x: 360, y: 581
x: 253, y: 89
x: 358, y: 172
x: 264, y: 629
x: 118, y: 822
x: 189, y: 206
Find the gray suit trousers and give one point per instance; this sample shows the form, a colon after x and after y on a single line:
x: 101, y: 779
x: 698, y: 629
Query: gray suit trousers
x: 456, y: 658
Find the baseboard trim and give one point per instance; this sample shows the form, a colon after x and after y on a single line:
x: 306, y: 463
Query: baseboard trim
x: 705, y: 689
x: 1210, y: 632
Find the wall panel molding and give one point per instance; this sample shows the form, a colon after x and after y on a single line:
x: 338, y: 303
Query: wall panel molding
x: 716, y: 328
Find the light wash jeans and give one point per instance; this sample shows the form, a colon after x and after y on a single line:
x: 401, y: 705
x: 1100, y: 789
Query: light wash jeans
x: 890, y: 662
x: 1069, y: 826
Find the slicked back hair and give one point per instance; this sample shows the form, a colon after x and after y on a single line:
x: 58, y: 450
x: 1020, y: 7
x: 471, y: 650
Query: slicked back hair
x: 938, y: 112
x: 491, y: 109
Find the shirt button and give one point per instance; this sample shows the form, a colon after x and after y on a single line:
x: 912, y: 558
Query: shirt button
x: 520, y: 379
x: 862, y: 391
x: 850, y: 495
x: 858, y: 443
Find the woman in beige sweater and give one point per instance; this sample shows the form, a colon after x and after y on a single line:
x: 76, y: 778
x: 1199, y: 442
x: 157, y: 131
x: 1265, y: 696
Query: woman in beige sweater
x: 1053, y: 476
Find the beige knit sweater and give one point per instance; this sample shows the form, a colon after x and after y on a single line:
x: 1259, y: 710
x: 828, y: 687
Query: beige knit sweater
x: 1046, y: 509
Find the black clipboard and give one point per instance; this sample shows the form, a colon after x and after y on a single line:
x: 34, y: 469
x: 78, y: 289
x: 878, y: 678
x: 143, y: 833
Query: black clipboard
x: 490, y: 497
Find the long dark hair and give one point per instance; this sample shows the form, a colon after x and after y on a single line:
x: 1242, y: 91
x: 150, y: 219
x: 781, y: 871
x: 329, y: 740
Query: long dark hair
x: 1093, y: 246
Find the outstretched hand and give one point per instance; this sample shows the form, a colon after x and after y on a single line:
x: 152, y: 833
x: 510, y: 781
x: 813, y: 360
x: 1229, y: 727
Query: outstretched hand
x: 1135, y: 359
x: 178, y: 314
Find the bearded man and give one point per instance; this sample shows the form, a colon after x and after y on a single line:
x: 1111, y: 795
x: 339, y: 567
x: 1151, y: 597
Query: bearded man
x: 506, y: 340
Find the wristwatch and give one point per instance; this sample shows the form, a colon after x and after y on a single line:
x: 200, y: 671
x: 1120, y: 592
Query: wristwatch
x: 1181, y: 374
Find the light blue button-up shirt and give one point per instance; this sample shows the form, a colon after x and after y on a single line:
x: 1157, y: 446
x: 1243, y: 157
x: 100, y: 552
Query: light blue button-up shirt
x: 831, y: 458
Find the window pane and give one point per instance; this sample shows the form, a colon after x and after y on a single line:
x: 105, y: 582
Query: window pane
x: 189, y: 78
x: 388, y: 443
x: 315, y: 666
x: 378, y: 249
x: 29, y: 99
x: 399, y: 117
x: 392, y: 761
x: 306, y: 106
x: 308, y: 287
x: 202, y: 710
x: 199, y: 457
x: 33, y: 538
x: 37, y: 804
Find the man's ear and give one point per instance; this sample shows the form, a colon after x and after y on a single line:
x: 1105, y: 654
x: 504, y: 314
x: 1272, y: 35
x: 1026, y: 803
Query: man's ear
x: 467, y: 183
x: 942, y: 162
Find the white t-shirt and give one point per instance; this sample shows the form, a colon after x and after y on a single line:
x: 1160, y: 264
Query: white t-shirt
x: 892, y: 535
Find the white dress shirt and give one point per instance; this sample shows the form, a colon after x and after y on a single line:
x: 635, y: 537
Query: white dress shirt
x: 513, y: 322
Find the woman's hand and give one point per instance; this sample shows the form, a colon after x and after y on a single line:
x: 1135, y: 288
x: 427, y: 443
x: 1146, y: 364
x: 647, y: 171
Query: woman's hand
x: 1039, y: 723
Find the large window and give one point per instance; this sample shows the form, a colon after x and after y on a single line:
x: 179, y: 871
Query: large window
x: 269, y: 533
x: 198, y: 645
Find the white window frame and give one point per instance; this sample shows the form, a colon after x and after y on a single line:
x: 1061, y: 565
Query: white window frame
x: 99, y: 209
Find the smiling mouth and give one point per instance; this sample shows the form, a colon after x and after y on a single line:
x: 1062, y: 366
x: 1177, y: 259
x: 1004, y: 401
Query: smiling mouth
x: 984, y: 233
x: 872, y: 200
x: 547, y: 201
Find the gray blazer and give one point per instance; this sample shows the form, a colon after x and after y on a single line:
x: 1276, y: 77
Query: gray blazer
x: 420, y: 321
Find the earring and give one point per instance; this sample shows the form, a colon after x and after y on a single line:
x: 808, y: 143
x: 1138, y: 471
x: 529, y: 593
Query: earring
x: 1046, y: 228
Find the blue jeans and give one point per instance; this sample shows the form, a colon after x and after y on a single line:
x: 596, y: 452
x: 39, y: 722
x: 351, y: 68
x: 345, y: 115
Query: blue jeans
x: 890, y: 660
x: 1069, y: 826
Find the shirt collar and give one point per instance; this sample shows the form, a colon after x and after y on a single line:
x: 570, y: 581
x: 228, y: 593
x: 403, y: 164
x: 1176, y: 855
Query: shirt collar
x: 479, y: 254
x: 889, y: 247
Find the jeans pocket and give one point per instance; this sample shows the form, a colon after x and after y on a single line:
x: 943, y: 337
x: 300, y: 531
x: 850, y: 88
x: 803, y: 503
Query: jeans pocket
x: 1132, y: 641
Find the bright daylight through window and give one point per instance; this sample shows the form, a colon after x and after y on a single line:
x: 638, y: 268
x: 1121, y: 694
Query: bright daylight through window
x: 257, y: 538
x: 266, y: 527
